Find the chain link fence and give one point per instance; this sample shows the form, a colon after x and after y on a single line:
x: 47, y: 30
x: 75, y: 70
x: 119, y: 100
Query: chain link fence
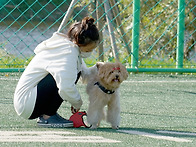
x: 145, y: 35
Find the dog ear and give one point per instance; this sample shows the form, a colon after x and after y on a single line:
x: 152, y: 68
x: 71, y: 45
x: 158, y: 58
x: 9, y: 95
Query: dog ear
x: 101, y: 71
x: 99, y: 64
x: 124, y: 71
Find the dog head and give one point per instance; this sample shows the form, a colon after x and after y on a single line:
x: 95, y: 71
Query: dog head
x: 111, y: 74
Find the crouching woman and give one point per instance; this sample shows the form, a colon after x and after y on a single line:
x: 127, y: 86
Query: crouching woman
x: 51, y: 76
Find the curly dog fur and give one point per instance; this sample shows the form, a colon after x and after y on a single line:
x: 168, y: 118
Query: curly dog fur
x: 103, y: 89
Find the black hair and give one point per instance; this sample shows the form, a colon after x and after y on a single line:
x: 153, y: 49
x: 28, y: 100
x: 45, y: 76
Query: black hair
x: 84, y: 32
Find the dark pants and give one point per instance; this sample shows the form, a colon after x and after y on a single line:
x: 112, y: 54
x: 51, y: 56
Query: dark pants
x: 48, y: 100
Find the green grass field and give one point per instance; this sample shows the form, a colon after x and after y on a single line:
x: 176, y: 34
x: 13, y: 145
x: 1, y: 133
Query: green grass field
x: 156, y: 110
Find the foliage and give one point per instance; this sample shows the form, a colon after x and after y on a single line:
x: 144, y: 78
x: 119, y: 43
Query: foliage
x: 11, y: 61
x: 158, y: 28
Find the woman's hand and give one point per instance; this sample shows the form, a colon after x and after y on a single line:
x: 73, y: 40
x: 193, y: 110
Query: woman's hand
x: 74, y: 110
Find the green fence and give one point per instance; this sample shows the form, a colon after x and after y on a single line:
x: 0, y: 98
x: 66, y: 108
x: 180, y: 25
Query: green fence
x: 145, y: 35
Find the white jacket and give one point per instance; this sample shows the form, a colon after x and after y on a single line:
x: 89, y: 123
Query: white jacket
x: 59, y: 57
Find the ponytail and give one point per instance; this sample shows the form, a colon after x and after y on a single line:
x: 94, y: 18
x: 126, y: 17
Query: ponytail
x: 87, y: 22
x: 84, y: 32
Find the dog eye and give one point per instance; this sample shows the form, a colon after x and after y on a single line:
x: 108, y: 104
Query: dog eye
x: 111, y: 72
x: 119, y: 71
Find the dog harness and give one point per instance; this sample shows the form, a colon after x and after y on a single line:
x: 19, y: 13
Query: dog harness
x: 104, y: 89
x: 78, y: 119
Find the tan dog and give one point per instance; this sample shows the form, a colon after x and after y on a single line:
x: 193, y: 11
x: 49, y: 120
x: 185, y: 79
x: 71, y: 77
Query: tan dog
x: 103, y: 89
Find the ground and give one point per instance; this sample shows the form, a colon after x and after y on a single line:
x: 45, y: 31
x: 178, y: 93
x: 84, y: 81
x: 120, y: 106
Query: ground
x: 156, y: 110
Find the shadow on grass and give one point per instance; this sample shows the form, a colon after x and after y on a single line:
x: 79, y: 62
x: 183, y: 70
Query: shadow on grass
x: 162, y: 116
x: 143, y: 131
x: 187, y: 92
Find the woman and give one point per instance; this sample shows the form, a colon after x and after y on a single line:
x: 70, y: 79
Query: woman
x: 51, y: 76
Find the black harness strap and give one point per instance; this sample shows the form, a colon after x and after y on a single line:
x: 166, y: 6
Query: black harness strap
x: 104, y: 89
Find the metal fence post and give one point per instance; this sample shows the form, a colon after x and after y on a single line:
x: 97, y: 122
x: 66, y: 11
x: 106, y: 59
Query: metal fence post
x: 180, y: 35
x: 110, y: 29
x: 135, y: 34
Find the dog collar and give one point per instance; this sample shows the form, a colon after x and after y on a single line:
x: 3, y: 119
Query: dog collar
x: 103, y: 88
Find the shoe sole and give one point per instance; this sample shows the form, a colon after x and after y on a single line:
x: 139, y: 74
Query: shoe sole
x: 67, y: 125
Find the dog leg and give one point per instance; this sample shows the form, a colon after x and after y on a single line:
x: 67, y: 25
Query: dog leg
x: 94, y: 116
x: 113, y: 114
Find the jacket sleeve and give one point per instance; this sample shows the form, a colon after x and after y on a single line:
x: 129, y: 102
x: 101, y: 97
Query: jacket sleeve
x: 88, y: 72
x: 64, y: 71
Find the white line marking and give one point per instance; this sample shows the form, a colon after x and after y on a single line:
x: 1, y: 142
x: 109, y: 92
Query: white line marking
x: 5, y: 133
x: 177, y: 133
x: 50, y: 136
x: 156, y: 136
x: 193, y: 81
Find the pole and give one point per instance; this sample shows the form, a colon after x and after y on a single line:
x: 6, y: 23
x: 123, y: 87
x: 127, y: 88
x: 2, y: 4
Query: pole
x: 68, y: 14
x: 99, y: 12
x: 119, y: 24
x: 111, y: 30
x: 135, y: 34
x: 180, y: 35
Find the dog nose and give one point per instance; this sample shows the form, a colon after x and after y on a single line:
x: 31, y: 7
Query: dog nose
x: 117, y: 76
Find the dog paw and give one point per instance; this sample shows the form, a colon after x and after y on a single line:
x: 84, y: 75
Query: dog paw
x: 115, y: 127
x: 93, y: 127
